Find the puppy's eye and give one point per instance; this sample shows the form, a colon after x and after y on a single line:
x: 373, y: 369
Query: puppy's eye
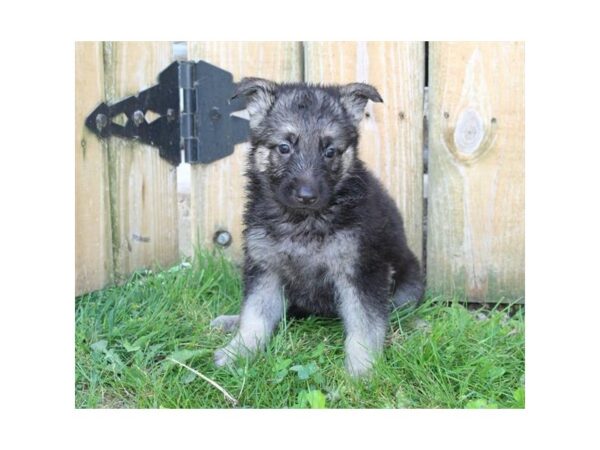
x: 329, y: 152
x: 283, y: 149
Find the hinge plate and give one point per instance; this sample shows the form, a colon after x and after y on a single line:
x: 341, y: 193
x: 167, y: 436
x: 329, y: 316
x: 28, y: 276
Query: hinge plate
x: 192, y: 102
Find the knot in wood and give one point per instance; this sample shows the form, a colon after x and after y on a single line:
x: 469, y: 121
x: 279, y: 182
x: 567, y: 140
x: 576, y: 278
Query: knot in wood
x: 469, y: 131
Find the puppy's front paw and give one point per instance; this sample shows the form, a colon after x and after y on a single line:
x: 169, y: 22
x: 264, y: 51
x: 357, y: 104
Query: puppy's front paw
x: 226, y: 323
x: 358, y: 369
x: 224, y: 357
x: 359, y: 361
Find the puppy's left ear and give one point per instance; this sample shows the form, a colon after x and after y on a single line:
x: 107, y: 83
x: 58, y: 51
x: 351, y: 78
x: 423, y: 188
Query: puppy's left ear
x: 354, y: 97
x: 259, y: 94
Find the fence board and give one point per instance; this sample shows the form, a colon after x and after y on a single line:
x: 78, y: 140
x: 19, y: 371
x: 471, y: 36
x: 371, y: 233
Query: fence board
x: 93, y: 252
x: 143, y: 186
x: 476, y: 170
x: 392, y: 132
x: 217, y: 189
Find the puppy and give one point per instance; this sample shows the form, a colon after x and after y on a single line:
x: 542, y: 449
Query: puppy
x: 321, y: 236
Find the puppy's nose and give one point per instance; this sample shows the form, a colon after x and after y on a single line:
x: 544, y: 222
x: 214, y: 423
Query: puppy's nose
x: 306, y: 194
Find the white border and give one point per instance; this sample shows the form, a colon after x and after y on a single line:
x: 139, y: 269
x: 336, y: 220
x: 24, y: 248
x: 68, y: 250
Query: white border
x: 37, y: 227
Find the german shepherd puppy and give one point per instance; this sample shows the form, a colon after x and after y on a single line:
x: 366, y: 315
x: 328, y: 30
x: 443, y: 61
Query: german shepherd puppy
x: 322, y: 236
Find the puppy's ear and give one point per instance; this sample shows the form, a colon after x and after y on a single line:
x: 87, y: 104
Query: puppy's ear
x: 259, y: 94
x: 354, y: 97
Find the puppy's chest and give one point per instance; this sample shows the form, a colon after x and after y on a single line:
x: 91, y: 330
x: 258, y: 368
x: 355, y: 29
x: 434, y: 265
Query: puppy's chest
x: 332, y: 255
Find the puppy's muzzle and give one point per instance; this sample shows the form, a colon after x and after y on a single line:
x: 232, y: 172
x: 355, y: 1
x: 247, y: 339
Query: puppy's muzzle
x: 306, y: 195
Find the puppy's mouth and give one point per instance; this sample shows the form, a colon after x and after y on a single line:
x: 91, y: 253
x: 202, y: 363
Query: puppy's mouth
x: 305, y: 209
x: 302, y: 206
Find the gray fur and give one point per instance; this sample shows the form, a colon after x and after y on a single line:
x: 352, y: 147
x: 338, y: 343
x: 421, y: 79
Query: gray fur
x: 260, y: 314
x: 365, y: 333
x: 336, y: 253
x: 226, y: 323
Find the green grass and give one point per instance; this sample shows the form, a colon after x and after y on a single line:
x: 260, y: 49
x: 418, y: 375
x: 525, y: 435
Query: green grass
x: 438, y: 356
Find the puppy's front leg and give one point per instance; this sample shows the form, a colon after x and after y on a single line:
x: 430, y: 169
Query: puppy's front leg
x: 262, y: 310
x: 365, y: 320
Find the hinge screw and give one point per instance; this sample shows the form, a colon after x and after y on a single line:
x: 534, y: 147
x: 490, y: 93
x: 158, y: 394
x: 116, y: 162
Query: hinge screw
x: 138, y: 118
x: 223, y: 238
x: 214, y: 114
x: 101, y: 121
x: 170, y: 115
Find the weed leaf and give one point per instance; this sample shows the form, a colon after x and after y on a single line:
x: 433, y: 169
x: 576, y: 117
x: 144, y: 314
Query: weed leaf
x: 305, y: 371
x: 188, y: 377
x: 313, y: 398
x: 99, y: 346
x: 129, y: 347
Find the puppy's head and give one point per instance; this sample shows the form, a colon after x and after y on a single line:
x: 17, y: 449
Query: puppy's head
x: 304, y: 137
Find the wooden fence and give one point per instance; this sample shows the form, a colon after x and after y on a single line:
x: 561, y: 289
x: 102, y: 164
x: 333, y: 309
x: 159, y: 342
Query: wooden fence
x: 126, y: 195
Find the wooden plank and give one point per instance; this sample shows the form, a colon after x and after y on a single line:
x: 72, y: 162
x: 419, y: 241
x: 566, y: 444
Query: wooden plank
x: 475, y: 245
x: 93, y: 248
x: 217, y: 189
x: 391, y: 133
x: 143, y: 186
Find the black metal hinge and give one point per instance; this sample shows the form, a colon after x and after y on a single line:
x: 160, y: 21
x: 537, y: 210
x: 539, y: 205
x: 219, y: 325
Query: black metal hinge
x: 192, y: 102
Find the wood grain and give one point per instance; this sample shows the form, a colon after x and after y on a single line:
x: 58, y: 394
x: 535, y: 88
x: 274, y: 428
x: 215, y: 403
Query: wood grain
x: 93, y: 248
x: 392, y: 132
x: 475, y: 242
x: 143, y: 186
x: 217, y: 189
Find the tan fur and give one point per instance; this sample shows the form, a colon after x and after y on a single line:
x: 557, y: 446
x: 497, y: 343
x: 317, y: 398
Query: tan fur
x: 347, y: 159
x: 261, y: 158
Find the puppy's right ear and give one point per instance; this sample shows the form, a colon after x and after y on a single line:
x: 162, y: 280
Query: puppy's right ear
x: 259, y: 94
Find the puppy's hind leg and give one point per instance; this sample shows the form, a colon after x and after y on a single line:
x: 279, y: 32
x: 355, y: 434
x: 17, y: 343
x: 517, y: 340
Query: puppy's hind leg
x: 262, y: 310
x: 409, y: 285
